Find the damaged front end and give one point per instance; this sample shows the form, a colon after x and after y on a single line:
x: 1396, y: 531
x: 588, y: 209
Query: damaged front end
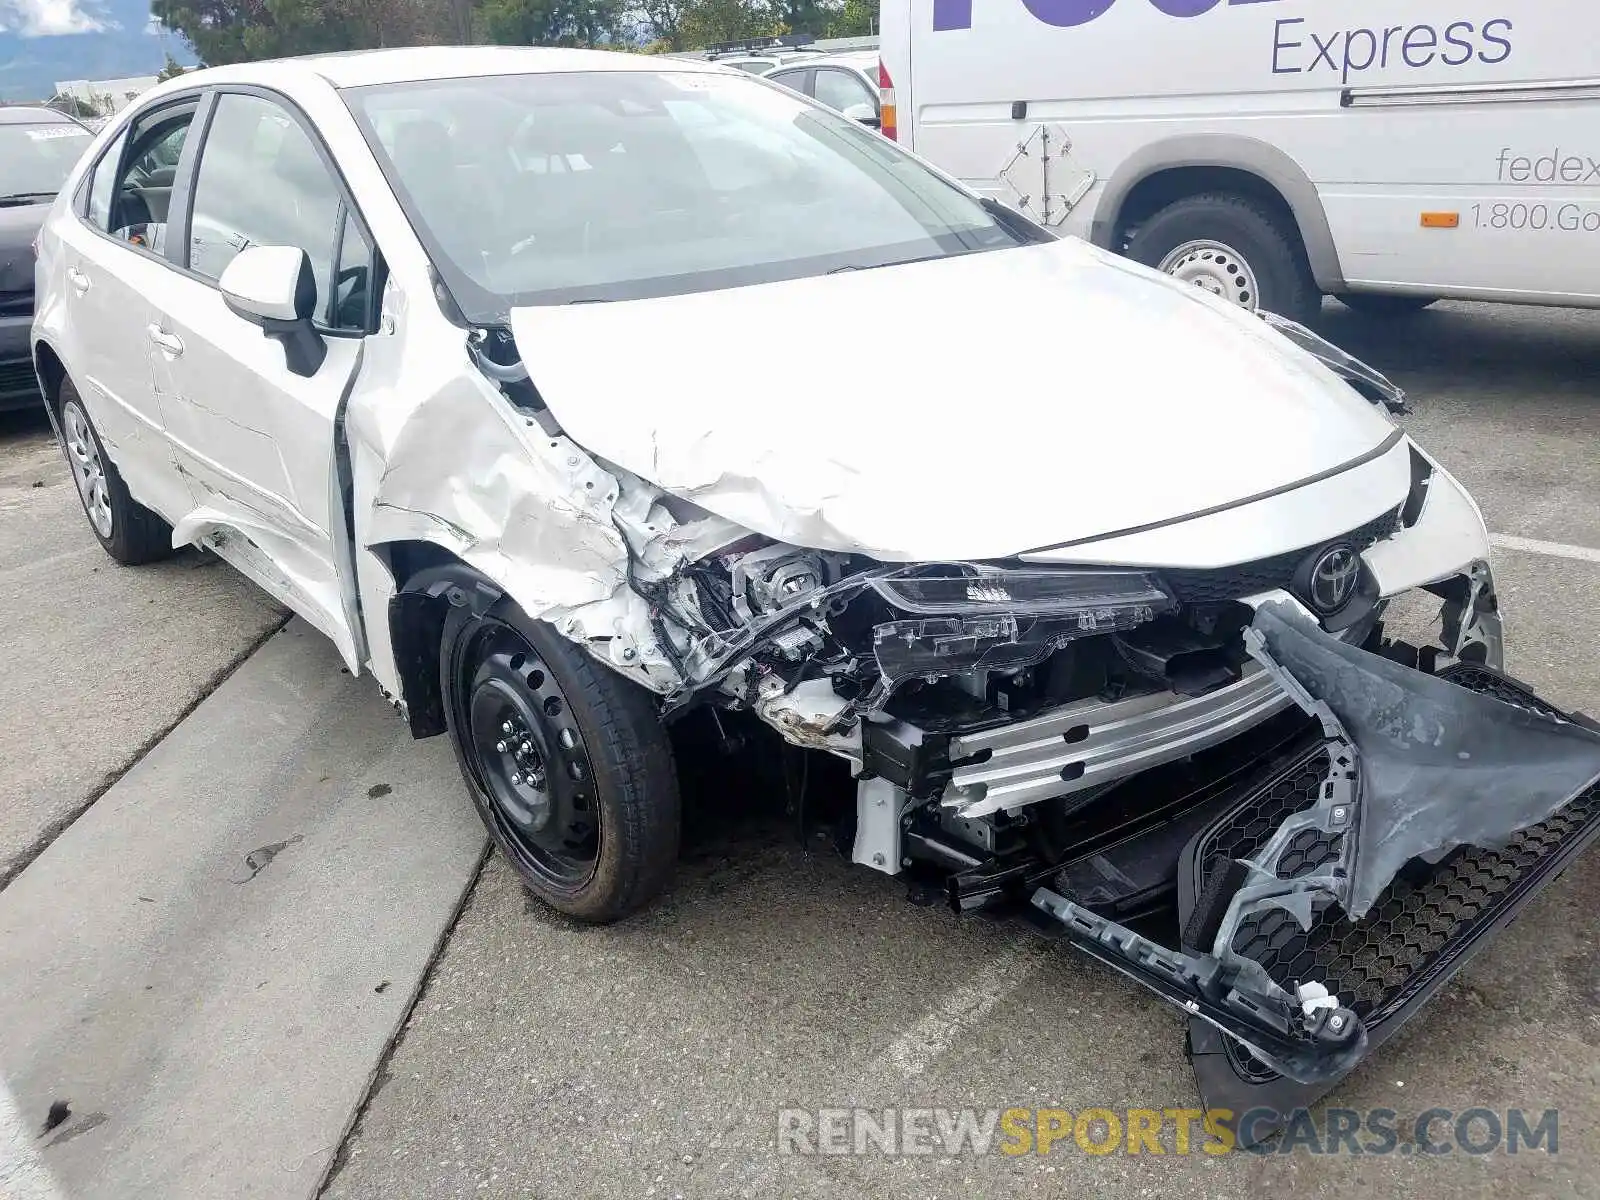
x: 1097, y: 739
x: 1406, y: 777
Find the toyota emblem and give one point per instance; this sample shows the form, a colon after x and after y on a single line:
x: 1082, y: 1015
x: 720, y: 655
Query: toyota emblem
x: 1332, y: 579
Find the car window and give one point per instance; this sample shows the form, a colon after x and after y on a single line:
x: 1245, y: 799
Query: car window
x: 35, y: 160
x: 350, y: 300
x: 841, y: 90
x: 791, y: 79
x: 102, y: 184
x: 261, y: 182
x: 613, y: 185
x: 136, y: 211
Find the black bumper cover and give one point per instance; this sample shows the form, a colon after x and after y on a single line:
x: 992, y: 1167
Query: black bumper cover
x: 1426, y: 926
x: 1290, y: 831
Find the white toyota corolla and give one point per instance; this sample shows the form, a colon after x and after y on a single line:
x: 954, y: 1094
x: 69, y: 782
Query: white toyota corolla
x: 498, y: 366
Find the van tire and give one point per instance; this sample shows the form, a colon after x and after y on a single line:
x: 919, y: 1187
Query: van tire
x: 1377, y: 304
x: 1269, y: 245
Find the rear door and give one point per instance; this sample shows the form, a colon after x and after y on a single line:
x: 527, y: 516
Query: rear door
x: 115, y: 257
x: 256, y: 440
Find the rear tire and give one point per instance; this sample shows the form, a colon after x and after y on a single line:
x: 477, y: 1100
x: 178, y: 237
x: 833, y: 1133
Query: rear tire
x: 1375, y: 304
x: 1235, y: 248
x: 127, y: 530
x: 566, y: 762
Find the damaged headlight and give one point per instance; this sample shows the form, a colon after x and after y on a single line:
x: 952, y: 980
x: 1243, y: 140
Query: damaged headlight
x: 983, y: 619
x: 1097, y: 599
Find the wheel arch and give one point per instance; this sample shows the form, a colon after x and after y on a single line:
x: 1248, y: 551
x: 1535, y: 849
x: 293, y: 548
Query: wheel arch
x: 429, y: 581
x: 52, y: 372
x: 1168, y: 170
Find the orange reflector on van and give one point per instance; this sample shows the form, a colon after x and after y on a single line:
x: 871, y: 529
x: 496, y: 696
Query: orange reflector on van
x: 1441, y: 220
x: 889, y: 113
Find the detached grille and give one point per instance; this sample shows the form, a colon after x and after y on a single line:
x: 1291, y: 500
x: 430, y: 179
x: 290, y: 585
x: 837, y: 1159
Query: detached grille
x: 1418, y: 920
x: 1230, y: 583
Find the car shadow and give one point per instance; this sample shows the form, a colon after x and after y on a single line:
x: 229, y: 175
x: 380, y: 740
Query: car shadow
x: 24, y: 424
x: 1497, y: 347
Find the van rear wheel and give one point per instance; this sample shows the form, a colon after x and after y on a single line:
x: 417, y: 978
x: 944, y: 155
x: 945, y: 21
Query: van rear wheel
x: 1233, y: 247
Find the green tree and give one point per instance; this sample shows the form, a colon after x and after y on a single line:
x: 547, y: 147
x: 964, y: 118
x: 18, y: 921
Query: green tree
x: 799, y: 16
x: 550, y: 22
x: 858, y: 18
x: 228, y: 31
x: 706, y: 22
x: 172, y: 70
x: 662, y: 21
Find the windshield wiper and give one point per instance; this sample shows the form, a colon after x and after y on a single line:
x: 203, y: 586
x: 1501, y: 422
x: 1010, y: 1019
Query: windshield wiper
x: 1015, y: 223
x: 17, y: 199
x: 897, y: 262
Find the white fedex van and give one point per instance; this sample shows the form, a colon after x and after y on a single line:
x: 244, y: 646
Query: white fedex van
x: 1388, y: 152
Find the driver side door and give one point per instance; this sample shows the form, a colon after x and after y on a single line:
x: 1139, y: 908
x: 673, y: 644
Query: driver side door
x: 255, y: 439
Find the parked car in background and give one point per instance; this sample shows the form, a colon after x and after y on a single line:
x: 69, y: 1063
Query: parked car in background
x: 1274, y: 151
x: 761, y: 64
x: 38, y: 149
x: 757, y: 56
x: 846, y: 83
x: 450, y: 404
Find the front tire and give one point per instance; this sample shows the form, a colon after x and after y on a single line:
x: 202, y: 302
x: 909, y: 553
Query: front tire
x: 1234, y: 248
x: 566, y: 762
x: 127, y: 530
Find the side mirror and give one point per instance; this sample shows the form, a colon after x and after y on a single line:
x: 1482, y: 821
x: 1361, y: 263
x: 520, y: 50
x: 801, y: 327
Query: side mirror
x: 865, y: 114
x: 274, y: 287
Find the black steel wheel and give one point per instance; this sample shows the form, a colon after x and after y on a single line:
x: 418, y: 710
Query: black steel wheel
x: 566, y: 761
x: 531, y: 759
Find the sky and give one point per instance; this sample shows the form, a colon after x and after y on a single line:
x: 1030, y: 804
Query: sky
x: 46, y: 41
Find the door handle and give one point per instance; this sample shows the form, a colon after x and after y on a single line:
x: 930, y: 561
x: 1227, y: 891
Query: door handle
x: 168, y: 343
x: 78, y: 280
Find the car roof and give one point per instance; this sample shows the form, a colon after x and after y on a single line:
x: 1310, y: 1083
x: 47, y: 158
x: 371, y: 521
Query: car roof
x: 23, y: 114
x: 860, y: 60
x: 360, y: 68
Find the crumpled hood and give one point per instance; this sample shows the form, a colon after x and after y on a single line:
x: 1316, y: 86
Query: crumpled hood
x: 964, y: 408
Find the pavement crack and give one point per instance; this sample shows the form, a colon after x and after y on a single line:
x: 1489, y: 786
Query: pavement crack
x: 59, y: 826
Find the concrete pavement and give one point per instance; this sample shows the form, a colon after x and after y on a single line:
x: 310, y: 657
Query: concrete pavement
x: 101, y: 660
x: 202, y: 974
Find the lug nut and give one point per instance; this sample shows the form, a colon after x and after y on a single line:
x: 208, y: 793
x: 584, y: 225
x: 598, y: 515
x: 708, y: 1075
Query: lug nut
x: 505, y: 727
x: 500, y: 747
x: 516, y: 778
x: 526, y: 747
